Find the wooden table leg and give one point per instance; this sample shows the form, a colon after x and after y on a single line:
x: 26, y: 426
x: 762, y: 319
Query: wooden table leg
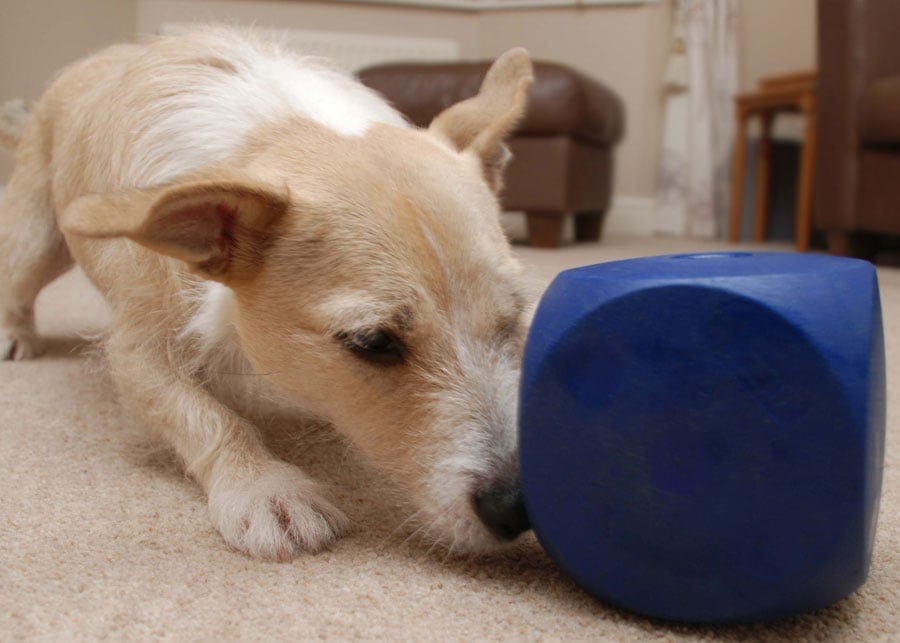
x: 588, y: 225
x: 738, y: 170
x: 763, y: 172
x: 544, y: 229
x: 807, y: 168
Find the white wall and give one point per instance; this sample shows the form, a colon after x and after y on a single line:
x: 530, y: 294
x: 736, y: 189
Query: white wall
x: 37, y: 37
x: 777, y: 36
x: 621, y: 45
x: 624, y: 46
x: 325, y: 16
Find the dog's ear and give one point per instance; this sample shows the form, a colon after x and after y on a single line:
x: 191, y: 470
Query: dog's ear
x: 479, y: 124
x: 221, y: 229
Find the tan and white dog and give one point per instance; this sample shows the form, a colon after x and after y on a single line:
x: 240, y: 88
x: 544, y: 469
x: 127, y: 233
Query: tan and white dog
x: 246, y: 210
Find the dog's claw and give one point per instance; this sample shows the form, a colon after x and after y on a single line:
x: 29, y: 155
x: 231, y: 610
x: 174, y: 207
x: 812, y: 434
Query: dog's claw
x: 15, y: 346
x: 277, y: 516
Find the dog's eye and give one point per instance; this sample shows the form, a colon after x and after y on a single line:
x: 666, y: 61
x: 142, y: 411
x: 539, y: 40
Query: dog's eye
x: 377, y: 347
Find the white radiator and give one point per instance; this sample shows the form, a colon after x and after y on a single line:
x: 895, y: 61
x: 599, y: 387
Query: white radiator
x: 354, y: 51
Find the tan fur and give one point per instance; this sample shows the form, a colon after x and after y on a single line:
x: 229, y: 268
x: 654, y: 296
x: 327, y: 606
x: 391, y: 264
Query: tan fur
x: 297, y: 221
x: 482, y: 122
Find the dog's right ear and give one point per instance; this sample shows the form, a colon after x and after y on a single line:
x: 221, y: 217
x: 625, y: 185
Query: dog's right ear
x: 220, y: 229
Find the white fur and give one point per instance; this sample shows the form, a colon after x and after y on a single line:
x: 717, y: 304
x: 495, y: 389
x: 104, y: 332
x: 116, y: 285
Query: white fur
x: 196, y: 128
x: 213, y: 323
x: 275, y: 515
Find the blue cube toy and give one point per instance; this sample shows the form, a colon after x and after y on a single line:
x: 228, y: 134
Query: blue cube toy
x: 702, y: 436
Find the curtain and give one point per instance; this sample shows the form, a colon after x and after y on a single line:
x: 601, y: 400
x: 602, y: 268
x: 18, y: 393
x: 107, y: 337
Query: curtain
x: 698, y: 129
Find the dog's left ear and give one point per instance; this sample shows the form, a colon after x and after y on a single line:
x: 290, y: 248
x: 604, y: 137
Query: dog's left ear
x: 220, y: 229
x: 479, y: 124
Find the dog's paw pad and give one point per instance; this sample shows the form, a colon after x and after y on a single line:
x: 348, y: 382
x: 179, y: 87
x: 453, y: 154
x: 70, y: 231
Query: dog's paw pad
x: 276, y: 516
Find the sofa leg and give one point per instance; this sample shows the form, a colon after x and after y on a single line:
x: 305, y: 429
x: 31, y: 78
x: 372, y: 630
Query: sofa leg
x: 852, y: 244
x: 588, y: 225
x: 544, y: 229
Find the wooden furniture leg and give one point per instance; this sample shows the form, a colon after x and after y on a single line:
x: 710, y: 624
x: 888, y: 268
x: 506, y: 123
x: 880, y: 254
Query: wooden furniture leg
x: 807, y: 167
x: 852, y: 244
x: 737, y: 176
x: 587, y: 225
x: 544, y: 229
x: 763, y: 172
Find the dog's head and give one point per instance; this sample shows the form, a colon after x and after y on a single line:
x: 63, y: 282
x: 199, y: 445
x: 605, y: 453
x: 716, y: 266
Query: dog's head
x: 375, y: 288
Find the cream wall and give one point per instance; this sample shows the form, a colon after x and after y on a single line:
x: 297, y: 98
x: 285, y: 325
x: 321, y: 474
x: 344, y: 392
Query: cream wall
x: 37, y: 37
x: 324, y: 16
x: 624, y: 46
x: 777, y: 36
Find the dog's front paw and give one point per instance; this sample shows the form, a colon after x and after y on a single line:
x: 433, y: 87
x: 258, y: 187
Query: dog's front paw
x: 16, y: 344
x: 276, y: 515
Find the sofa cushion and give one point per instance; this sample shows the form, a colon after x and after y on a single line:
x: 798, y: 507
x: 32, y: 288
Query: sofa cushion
x: 561, y: 100
x: 880, y: 120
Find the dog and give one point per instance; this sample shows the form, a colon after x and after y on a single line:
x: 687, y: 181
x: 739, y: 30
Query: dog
x: 246, y: 210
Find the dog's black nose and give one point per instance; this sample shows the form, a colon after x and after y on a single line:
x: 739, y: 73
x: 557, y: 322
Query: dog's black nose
x: 502, y: 510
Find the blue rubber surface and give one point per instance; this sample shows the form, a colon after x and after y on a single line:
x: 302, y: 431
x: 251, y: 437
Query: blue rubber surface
x: 702, y: 436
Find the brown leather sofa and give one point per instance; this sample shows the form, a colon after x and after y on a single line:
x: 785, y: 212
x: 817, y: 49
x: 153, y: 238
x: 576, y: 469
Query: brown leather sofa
x: 562, y: 151
x: 858, y: 157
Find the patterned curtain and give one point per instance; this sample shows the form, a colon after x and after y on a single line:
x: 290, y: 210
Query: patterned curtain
x: 698, y: 132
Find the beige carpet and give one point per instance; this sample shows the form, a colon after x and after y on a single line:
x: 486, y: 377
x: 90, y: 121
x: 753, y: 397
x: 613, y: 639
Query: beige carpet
x: 101, y: 536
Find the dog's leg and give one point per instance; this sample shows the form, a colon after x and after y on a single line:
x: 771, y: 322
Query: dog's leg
x: 261, y: 505
x: 32, y: 251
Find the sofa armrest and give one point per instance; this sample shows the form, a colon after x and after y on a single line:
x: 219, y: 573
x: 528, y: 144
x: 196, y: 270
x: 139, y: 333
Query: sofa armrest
x: 560, y: 101
x: 880, y: 113
x: 857, y: 45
